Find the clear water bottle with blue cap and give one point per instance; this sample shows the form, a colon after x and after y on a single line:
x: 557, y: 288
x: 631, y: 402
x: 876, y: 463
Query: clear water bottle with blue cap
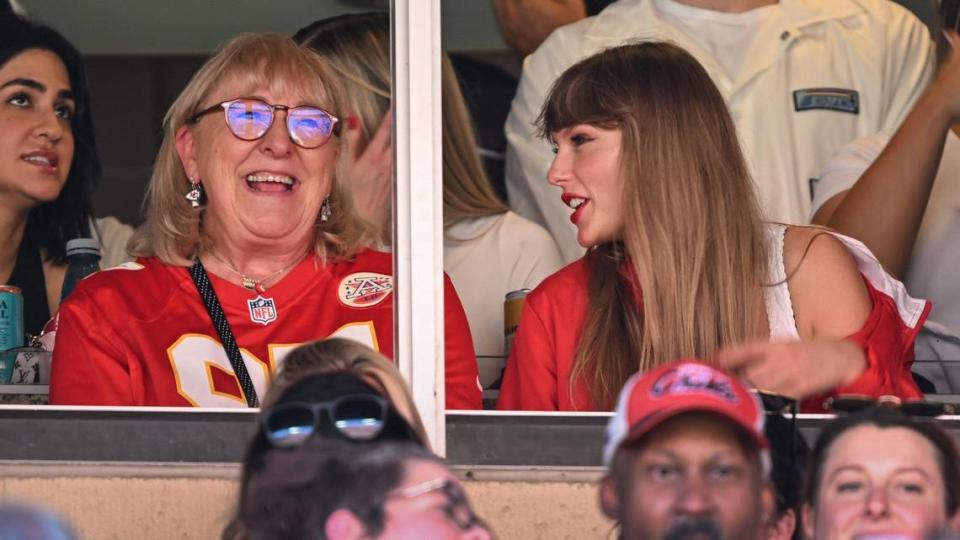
x: 83, y: 259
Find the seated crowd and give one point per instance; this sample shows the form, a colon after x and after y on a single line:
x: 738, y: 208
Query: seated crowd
x: 696, y: 233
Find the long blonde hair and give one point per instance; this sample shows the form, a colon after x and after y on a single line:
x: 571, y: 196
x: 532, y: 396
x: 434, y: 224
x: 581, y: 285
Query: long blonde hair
x: 358, y: 48
x: 173, y: 231
x: 687, y: 276
x: 339, y: 354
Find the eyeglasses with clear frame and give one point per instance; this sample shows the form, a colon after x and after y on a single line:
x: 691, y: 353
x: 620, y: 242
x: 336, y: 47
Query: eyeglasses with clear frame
x: 457, y: 508
x: 249, y: 119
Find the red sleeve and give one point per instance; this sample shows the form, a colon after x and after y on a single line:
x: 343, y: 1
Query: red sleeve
x: 887, y: 342
x: 87, y: 367
x: 530, y: 379
x: 462, y: 379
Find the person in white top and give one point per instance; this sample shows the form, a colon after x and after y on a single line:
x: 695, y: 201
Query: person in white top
x: 919, y: 233
x: 488, y: 250
x: 801, y: 78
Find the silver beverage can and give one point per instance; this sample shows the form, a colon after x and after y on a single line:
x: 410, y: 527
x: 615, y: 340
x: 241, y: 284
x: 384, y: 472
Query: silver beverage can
x: 11, y: 317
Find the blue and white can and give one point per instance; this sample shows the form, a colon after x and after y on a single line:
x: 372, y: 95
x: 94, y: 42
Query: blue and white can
x: 11, y: 317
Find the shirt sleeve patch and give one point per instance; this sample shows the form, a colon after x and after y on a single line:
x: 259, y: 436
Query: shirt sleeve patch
x: 364, y: 289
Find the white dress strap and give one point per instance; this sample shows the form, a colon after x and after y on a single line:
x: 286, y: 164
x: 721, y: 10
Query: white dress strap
x: 783, y: 326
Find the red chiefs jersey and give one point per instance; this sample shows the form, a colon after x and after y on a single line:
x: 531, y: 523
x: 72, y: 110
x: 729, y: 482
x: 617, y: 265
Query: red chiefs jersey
x: 538, y: 370
x: 139, y: 334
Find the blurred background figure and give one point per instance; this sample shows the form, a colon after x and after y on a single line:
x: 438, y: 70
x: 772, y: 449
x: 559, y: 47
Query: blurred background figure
x: 250, y: 244
x: 48, y: 168
x: 488, y: 250
x: 524, y: 24
x: 919, y: 237
x: 333, y: 490
x: 19, y: 522
x: 879, y: 474
x: 802, y: 79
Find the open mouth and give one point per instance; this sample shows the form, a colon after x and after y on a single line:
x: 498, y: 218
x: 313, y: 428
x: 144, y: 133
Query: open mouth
x: 48, y: 161
x: 577, y: 204
x: 271, y: 182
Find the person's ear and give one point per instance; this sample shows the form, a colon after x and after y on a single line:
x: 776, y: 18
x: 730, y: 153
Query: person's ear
x: 186, y: 149
x: 953, y: 522
x: 343, y: 525
x: 782, y: 527
x: 609, y: 498
x: 808, y: 521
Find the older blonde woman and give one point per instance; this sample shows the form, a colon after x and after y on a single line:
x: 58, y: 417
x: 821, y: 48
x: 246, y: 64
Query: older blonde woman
x: 250, y: 248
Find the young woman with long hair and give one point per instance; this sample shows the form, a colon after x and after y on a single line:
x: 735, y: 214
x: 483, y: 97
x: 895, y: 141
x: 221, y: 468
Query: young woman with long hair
x: 680, y: 261
x: 48, y: 166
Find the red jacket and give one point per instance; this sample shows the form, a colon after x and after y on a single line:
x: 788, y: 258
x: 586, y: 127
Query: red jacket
x: 538, y: 370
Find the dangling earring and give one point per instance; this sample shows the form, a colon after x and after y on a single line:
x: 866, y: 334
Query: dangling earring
x: 325, y: 210
x: 195, y: 193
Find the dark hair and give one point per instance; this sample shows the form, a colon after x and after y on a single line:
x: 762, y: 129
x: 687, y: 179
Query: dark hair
x: 882, y: 417
x: 789, y: 453
x: 296, y: 491
x: 948, y: 18
x: 52, y: 224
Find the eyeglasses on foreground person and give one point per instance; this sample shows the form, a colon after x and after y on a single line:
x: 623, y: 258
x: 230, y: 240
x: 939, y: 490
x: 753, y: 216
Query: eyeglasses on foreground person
x: 249, y: 119
x: 338, y: 490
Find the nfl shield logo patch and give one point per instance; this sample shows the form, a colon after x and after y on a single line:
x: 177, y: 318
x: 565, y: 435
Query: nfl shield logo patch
x: 262, y: 310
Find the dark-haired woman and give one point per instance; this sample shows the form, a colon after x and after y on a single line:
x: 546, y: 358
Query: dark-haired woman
x: 48, y: 165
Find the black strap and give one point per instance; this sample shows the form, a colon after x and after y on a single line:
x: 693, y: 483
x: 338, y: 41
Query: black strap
x: 28, y: 275
x: 219, y: 319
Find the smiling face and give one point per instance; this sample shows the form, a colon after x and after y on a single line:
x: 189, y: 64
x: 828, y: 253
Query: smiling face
x: 587, y: 168
x: 36, y: 139
x: 262, y: 192
x: 895, y: 487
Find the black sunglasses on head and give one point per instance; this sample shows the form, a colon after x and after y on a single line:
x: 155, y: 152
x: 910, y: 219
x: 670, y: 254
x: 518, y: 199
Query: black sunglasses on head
x: 360, y: 417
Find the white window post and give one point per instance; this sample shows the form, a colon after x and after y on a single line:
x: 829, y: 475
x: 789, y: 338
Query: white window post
x: 418, y: 209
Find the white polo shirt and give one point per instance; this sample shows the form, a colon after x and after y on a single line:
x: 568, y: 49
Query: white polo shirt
x: 818, y: 74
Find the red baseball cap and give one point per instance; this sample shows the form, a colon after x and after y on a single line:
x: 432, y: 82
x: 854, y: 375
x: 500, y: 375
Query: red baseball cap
x: 649, y: 399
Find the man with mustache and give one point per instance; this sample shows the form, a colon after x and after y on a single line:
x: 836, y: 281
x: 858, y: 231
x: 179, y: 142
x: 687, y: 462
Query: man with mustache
x: 687, y: 458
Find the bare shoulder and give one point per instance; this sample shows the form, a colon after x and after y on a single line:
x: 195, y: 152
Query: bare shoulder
x: 829, y: 297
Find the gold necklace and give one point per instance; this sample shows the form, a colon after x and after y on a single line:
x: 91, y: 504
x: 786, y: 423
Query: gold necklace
x: 248, y: 282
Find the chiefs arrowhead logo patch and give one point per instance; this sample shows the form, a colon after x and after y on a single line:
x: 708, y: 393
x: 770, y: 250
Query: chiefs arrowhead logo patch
x: 364, y: 289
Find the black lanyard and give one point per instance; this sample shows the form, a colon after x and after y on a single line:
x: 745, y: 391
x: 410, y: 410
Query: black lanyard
x: 219, y: 319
